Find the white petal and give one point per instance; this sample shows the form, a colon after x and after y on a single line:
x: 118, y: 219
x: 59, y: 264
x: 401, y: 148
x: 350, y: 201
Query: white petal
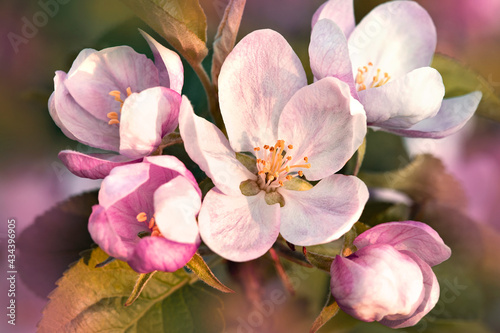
x: 339, y: 11
x: 238, y: 228
x: 323, y: 213
x: 209, y: 148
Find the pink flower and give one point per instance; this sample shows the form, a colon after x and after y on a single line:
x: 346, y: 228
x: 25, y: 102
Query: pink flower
x: 287, y: 129
x: 117, y: 100
x: 389, y: 278
x: 385, y: 60
x: 147, y: 214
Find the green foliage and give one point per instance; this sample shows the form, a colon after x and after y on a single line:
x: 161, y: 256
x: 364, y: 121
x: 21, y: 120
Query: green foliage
x: 181, y: 22
x: 460, y: 80
x: 201, y: 269
x: 329, y: 311
x: 90, y: 299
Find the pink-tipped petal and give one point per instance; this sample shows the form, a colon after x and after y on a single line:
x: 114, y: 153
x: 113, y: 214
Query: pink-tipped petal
x: 329, y: 54
x: 121, y: 182
x: 376, y: 282
x: 209, y: 148
x: 431, y: 297
x: 397, y: 37
x: 160, y: 254
x: 410, y: 236
x: 405, y: 101
x: 93, y: 166
x: 177, y: 204
x: 323, y: 213
x: 76, y: 121
x: 256, y: 81
x: 145, y: 118
x: 325, y: 124
x: 239, y: 228
x: 339, y: 11
x: 453, y: 115
x: 169, y: 64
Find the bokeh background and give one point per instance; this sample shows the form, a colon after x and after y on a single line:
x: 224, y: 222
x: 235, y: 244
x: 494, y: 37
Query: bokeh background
x: 32, y: 180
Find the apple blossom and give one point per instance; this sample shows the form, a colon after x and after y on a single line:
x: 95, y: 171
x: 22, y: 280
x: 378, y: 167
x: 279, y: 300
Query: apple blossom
x: 147, y: 214
x: 389, y: 278
x: 117, y: 100
x: 286, y: 129
x: 385, y: 60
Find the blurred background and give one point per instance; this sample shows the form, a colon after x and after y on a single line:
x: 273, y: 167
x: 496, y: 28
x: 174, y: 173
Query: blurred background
x: 40, y: 37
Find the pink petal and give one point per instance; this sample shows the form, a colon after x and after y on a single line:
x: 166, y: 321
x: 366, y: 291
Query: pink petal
x: 339, y: 11
x: 53, y: 110
x: 415, y: 237
x: 169, y: 64
x: 209, y: 148
x: 77, y: 122
x: 376, y: 282
x: 145, y: 118
x: 323, y: 213
x: 256, y: 81
x: 177, y: 204
x: 160, y: 254
x: 431, y: 297
x: 116, y: 68
x: 109, y: 236
x: 84, y: 54
x: 325, y: 124
x: 405, y: 101
x: 238, y: 228
x: 93, y: 166
x: 397, y: 37
x: 121, y: 182
x: 453, y: 115
x: 172, y: 167
x: 329, y: 54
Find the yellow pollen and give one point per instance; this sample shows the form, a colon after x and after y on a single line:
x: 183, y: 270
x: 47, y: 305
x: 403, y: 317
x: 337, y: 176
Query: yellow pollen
x: 141, y: 217
x: 113, y: 121
x: 378, y: 79
x: 274, y: 164
x: 112, y: 115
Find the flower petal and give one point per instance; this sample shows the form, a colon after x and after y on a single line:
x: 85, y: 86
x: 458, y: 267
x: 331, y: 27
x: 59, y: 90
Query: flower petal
x: 76, y: 121
x: 323, y: 122
x: 397, y: 37
x: 406, y: 101
x: 453, y: 115
x: 121, y: 182
x: 375, y: 282
x: 410, y: 236
x: 238, y: 228
x: 93, y: 166
x: 168, y: 62
x: 146, y: 118
x: 209, y: 148
x: 329, y: 54
x: 256, y: 81
x: 108, y: 236
x: 116, y: 68
x: 323, y: 213
x: 431, y: 296
x: 160, y: 254
x: 177, y: 204
x: 339, y: 11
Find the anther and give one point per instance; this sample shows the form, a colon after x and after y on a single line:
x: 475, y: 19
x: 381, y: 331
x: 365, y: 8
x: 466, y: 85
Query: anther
x: 290, y: 146
x: 113, y: 121
x: 141, y: 217
x: 301, y: 173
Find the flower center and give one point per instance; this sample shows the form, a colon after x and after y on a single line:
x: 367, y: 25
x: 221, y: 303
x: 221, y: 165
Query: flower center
x: 113, y: 116
x: 378, y: 79
x: 273, y: 165
x: 143, y: 217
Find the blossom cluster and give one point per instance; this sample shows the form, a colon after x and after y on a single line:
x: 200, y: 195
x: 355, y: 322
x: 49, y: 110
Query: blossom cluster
x: 275, y: 163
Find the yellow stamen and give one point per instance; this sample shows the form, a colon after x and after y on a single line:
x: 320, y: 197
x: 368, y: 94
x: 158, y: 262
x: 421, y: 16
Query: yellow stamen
x: 113, y: 121
x: 290, y: 146
x: 112, y: 115
x: 301, y: 173
x: 129, y: 91
x: 141, y: 217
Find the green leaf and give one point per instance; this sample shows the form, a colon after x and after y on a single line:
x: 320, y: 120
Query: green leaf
x: 329, y: 311
x: 226, y: 35
x: 318, y: 260
x: 181, y: 22
x: 90, y: 299
x: 201, y: 269
x: 460, y: 80
x: 424, y: 179
x: 139, y: 286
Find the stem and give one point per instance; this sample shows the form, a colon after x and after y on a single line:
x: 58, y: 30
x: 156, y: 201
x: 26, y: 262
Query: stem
x: 210, y: 90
